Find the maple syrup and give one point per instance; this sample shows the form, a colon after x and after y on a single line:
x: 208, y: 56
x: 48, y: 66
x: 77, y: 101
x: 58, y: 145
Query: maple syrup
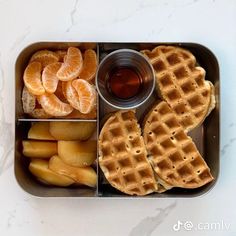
x: 124, y: 82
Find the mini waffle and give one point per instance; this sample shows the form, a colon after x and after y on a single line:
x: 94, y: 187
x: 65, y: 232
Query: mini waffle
x: 123, y: 156
x: 182, y: 84
x: 173, y: 154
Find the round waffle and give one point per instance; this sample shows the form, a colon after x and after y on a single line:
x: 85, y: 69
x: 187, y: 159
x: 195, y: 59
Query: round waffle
x: 123, y: 156
x: 182, y: 84
x: 172, y: 153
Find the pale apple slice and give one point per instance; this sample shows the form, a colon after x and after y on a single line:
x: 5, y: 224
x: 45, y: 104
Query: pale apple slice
x: 40, y: 131
x: 69, y: 130
x: 39, y: 149
x: 85, y: 175
x: 39, y: 168
x: 76, y: 153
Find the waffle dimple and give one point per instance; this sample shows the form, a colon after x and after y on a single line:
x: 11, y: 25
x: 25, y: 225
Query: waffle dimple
x: 123, y: 156
x: 172, y: 152
x: 181, y: 83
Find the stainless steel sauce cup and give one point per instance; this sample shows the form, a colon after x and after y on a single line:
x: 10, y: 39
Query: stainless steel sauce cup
x: 125, y: 58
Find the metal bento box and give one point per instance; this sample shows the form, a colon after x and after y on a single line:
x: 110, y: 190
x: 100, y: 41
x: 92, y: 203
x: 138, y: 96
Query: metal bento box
x: 206, y: 136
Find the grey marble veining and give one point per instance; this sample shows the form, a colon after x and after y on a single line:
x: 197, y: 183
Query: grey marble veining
x: 230, y: 142
x: 72, y: 16
x: 11, y: 217
x: 149, y: 223
x: 6, y: 134
x: 143, y: 6
x: 227, y: 145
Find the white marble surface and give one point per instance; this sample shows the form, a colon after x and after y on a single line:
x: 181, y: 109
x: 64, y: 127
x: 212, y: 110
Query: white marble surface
x: 209, y: 22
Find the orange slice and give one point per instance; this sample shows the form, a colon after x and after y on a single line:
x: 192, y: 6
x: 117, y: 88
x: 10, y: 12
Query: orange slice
x: 39, y: 113
x: 60, y: 91
x: 32, y: 78
x: 78, y: 115
x: 45, y: 57
x: 63, y: 86
x: 61, y: 54
x: 89, y: 66
x: 54, y: 106
x: 28, y: 100
x: 49, y: 77
x: 72, y: 95
x: 72, y: 66
x: 87, y: 95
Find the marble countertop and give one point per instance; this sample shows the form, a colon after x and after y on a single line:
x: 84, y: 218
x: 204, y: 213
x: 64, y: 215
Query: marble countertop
x: 208, y: 22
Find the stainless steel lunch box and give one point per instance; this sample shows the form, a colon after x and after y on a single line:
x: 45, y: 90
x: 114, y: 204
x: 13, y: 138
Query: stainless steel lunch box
x: 206, y: 137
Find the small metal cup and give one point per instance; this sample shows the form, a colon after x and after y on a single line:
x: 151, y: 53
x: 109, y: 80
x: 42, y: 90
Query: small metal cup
x: 130, y: 59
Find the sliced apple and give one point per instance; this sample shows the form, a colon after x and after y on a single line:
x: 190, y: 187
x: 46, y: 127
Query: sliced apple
x: 40, y: 131
x: 85, y: 175
x: 39, y: 149
x: 39, y: 168
x: 77, y: 153
x: 66, y: 130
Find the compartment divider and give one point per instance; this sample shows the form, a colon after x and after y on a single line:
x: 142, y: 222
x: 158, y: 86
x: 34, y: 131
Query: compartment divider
x: 98, y: 127
x: 71, y: 120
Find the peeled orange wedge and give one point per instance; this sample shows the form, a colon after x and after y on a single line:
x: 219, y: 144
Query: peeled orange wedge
x: 87, y: 95
x: 39, y: 113
x: 28, y: 100
x: 32, y: 78
x: 61, y: 54
x: 77, y: 114
x: 72, y: 66
x: 63, y: 87
x: 49, y: 77
x: 60, y: 91
x: 54, y: 106
x: 72, y: 95
x: 45, y: 57
x: 89, y: 65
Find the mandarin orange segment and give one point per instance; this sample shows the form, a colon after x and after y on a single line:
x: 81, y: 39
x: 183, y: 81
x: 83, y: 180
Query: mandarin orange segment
x: 72, y: 95
x: 28, y: 100
x: 39, y: 113
x: 60, y: 91
x: 45, y: 57
x: 54, y: 106
x: 72, y: 66
x: 49, y: 77
x: 78, y: 115
x: 32, y: 78
x: 63, y: 86
x: 61, y: 54
x: 65, y: 57
x: 87, y: 95
x: 89, y: 66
